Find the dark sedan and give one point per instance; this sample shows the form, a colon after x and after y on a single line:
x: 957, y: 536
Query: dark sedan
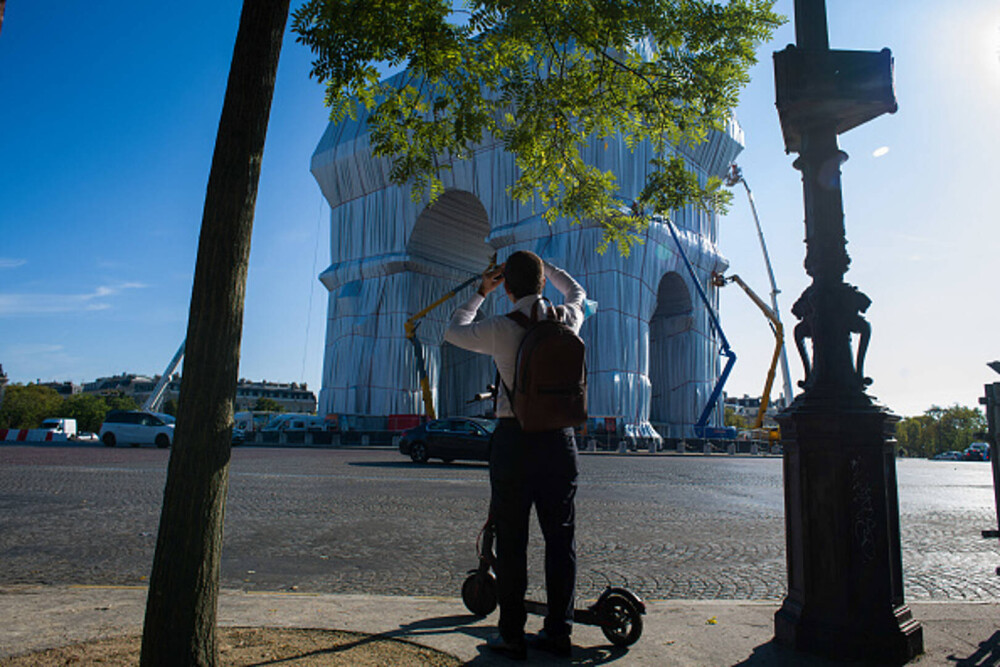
x: 448, y: 439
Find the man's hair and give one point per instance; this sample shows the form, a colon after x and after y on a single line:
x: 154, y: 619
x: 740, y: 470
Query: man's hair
x: 524, y: 274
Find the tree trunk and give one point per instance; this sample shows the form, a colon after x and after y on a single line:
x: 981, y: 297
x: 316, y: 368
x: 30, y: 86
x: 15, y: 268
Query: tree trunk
x: 183, y: 589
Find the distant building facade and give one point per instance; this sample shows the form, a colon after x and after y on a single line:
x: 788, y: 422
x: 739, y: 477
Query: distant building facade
x: 137, y: 387
x: 64, y: 389
x: 747, y: 407
x: 291, y: 396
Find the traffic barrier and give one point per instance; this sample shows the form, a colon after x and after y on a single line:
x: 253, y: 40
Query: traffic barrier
x: 31, y: 435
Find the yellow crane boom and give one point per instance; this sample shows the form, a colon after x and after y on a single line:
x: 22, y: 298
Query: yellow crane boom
x: 410, y: 326
x: 779, y: 340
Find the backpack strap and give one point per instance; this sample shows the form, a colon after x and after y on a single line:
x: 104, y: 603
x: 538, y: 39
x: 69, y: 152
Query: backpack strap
x: 550, y: 310
x: 521, y: 319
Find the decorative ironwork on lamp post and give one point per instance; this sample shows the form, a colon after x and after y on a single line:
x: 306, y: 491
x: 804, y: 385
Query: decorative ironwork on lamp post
x: 845, y: 586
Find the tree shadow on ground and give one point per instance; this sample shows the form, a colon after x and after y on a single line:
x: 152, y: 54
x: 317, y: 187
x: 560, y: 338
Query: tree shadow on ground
x: 461, y: 623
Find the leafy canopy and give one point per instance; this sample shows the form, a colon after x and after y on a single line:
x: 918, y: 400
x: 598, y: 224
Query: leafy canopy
x: 544, y: 77
x: 941, y: 430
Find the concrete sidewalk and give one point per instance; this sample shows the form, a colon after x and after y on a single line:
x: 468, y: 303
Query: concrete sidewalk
x: 677, y: 632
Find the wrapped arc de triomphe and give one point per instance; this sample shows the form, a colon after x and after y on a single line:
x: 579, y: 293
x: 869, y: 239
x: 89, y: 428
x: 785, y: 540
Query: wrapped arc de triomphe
x: 653, y: 358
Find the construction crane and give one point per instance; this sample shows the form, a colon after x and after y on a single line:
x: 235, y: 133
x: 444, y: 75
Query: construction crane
x: 701, y: 427
x: 779, y: 346
x: 155, y: 399
x: 410, y: 326
x: 736, y: 176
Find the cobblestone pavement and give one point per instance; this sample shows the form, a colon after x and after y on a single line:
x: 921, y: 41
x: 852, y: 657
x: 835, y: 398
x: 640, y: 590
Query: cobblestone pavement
x: 347, y: 520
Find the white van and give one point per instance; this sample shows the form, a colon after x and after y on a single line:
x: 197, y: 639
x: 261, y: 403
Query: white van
x: 63, y: 426
x: 296, y: 423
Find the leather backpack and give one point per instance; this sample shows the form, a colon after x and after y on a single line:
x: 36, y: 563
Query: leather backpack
x: 550, y: 374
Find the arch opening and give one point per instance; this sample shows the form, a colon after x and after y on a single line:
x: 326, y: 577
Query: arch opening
x: 447, y: 246
x: 671, y: 354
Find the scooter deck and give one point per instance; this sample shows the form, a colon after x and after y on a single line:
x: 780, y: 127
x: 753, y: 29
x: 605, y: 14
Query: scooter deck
x: 586, y: 616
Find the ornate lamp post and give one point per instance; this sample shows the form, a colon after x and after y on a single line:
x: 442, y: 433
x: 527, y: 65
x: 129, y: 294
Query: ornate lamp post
x: 845, y: 585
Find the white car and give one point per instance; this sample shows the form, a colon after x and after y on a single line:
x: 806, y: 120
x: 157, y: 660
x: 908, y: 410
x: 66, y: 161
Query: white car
x: 136, y: 427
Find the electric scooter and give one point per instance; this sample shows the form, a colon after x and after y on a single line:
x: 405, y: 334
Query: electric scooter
x: 618, y: 611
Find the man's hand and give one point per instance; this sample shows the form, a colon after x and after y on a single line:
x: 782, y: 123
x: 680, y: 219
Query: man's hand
x: 492, y: 278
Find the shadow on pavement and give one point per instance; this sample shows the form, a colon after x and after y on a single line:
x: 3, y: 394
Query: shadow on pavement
x: 774, y: 654
x: 591, y: 655
x: 417, y: 466
x: 407, y: 631
x: 987, y: 655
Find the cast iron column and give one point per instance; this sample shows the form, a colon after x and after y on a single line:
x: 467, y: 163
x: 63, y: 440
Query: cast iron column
x: 845, y: 584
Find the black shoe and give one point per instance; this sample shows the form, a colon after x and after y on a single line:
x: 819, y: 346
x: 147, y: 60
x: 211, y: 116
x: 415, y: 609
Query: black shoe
x: 512, y: 650
x: 560, y: 646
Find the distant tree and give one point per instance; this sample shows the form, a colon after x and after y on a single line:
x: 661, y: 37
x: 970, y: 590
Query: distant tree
x: 120, y: 401
x: 170, y: 406
x: 25, y: 406
x: 87, y: 409
x: 733, y: 419
x: 940, y: 430
x: 266, y: 404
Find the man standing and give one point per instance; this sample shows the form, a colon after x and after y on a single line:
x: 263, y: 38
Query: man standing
x: 527, y: 469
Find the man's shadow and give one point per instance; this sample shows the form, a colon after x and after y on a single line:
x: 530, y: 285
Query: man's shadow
x: 987, y: 655
x: 591, y: 655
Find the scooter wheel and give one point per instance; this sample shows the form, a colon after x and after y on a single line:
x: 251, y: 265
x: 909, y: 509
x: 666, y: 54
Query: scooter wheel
x: 621, y: 620
x: 479, y: 593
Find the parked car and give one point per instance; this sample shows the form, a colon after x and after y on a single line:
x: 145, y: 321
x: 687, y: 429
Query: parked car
x: 977, y: 451
x: 448, y: 439
x: 137, y: 427
x: 948, y: 456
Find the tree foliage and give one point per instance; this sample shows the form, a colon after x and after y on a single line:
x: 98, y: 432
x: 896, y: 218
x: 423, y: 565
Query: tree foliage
x: 733, y: 419
x: 25, y: 406
x: 266, y: 404
x: 940, y: 430
x: 120, y: 401
x: 545, y: 78
x: 87, y: 409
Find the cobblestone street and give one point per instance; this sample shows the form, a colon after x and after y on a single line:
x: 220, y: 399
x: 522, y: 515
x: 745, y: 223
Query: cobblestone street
x: 351, y: 520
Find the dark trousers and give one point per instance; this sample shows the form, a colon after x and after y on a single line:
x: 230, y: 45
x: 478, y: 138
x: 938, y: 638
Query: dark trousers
x: 537, y: 469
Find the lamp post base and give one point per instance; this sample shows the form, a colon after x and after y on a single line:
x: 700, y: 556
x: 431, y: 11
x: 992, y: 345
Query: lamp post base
x: 845, y: 597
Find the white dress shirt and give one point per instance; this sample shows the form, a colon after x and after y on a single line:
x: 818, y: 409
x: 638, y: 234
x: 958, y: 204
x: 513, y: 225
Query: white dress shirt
x: 500, y: 336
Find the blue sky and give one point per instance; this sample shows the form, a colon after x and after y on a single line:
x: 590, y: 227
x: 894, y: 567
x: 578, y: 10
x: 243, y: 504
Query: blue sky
x: 108, y: 113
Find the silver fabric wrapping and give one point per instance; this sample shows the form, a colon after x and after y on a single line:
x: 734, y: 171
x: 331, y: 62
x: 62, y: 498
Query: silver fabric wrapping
x: 652, y: 357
